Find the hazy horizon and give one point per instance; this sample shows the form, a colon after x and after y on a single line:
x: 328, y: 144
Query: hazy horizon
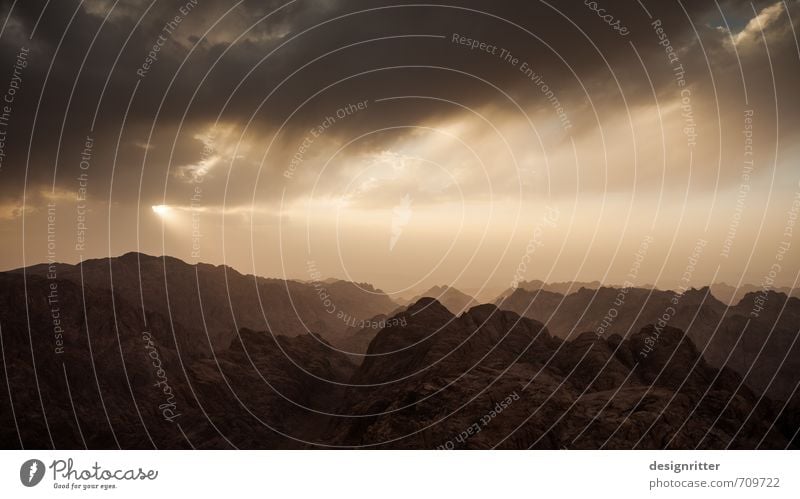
x: 487, y: 294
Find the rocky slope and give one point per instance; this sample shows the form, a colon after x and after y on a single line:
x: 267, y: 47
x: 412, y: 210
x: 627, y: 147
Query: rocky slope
x: 758, y: 337
x: 432, y: 380
x: 490, y: 378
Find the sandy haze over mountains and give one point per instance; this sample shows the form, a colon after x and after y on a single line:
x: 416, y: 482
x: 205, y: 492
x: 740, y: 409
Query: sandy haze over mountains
x: 407, y: 146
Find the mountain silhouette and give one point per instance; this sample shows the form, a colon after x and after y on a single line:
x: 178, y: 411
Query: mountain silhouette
x: 218, y: 300
x: 452, y: 299
x: 91, y: 361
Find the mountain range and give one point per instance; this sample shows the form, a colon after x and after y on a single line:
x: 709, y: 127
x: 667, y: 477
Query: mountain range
x: 151, y: 352
x: 757, y: 337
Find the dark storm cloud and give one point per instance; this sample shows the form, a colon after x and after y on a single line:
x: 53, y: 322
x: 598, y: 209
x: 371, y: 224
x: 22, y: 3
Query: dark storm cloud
x: 227, y: 74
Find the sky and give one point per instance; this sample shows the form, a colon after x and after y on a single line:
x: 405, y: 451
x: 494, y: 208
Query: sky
x: 407, y: 144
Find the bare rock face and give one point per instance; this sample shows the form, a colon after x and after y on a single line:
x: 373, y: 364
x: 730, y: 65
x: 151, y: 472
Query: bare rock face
x: 756, y: 337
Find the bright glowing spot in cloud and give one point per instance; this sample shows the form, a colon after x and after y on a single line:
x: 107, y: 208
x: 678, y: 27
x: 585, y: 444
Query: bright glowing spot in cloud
x: 161, y: 210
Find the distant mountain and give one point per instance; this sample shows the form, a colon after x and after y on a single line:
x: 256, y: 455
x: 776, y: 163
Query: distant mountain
x: 727, y: 294
x: 552, y: 287
x: 454, y: 300
x: 483, y: 294
x: 718, y: 330
x: 357, y: 340
x: 216, y: 301
x: 731, y: 295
